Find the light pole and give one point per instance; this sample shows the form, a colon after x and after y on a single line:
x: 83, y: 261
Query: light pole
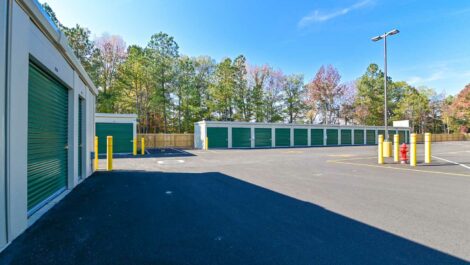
x: 377, y: 38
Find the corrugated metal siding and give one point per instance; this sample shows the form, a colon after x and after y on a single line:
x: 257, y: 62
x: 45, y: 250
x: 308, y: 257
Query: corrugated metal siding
x: 263, y: 137
x: 47, y: 136
x: 122, y: 134
x: 300, y: 137
x: 218, y: 137
x: 316, y: 137
x: 241, y: 137
x: 346, y: 137
x: 358, y: 136
x: 402, y: 136
x: 282, y: 137
x: 370, y: 137
x: 331, y: 137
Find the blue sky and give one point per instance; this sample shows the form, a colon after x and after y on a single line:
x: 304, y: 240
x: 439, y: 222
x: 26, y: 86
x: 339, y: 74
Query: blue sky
x: 432, y: 49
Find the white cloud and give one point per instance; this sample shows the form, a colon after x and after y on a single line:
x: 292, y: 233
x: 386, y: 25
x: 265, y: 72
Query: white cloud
x: 320, y: 16
x: 418, y: 80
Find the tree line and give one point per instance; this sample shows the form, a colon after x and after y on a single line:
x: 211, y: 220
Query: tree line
x: 170, y: 91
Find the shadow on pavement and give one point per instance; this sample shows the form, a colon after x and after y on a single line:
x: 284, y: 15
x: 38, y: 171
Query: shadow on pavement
x: 139, y: 217
x: 154, y: 152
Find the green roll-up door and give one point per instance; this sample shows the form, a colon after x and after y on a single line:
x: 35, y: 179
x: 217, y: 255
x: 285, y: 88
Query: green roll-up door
x: 346, y: 137
x: 300, y: 137
x: 331, y: 137
x: 380, y: 132
x: 47, y: 137
x: 402, y: 136
x: 80, y: 137
x: 391, y: 134
x: 370, y: 137
x: 358, y: 136
x: 218, y: 137
x: 316, y: 136
x: 282, y: 137
x: 241, y: 137
x: 263, y: 137
x: 122, y: 133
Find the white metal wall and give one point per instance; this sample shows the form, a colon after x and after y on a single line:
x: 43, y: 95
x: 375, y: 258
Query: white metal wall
x: 27, y: 42
x: 3, y: 62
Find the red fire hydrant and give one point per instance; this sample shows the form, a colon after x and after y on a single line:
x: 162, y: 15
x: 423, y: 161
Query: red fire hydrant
x: 403, y: 152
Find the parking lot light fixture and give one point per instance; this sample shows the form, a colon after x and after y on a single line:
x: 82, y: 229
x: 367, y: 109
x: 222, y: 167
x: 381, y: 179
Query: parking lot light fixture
x: 375, y: 39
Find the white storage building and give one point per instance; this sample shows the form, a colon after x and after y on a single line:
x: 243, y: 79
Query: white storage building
x: 47, y: 107
x: 221, y: 134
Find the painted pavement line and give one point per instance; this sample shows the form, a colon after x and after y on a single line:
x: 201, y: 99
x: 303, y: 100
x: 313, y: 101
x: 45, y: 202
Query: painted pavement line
x: 453, y: 162
x: 398, y: 168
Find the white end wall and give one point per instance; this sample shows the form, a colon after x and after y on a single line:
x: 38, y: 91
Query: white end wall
x: 27, y: 42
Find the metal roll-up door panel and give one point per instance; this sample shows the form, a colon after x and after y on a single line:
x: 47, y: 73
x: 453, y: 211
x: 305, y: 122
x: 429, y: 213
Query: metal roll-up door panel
x: 346, y: 137
x: 316, y: 136
x: 402, y: 136
x: 47, y: 137
x: 241, y: 137
x: 332, y: 137
x: 282, y: 137
x: 300, y: 137
x: 122, y: 133
x: 380, y: 132
x: 370, y: 137
x: 218, y: 137
x: 359, y: 137
x: 263, y: 137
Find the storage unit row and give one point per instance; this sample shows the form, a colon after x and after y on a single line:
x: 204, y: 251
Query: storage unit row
x: 271, y: 135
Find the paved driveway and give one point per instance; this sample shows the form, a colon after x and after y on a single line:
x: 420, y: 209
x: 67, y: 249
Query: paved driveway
x: 283, y: 206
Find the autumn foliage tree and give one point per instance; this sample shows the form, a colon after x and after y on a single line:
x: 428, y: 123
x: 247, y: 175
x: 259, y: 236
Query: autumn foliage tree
x: 324, y: 94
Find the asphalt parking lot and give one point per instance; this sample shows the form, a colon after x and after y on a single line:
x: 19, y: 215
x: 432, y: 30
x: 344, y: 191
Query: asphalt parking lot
x: 275, y: 206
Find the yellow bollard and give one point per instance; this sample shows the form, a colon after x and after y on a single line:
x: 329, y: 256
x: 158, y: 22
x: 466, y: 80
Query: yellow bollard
x: 96, y: 153
x: 413, y: 149
x: 109, y: 153
x: 387, y: 148
x: 206, y: 144
x: 134, y: 151
x: 142, y: 146
x: 396, y: 147
x: 427, y: 148
x: 381, y: 150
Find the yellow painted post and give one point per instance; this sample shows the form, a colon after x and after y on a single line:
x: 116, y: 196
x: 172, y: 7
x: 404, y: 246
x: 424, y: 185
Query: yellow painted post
x: 134, y: 151
x: 96, y: 153
x: 427, y: 148
x: 413, y: 149
x: 381, y: 150
x: 387, y: 148
x: 142, y: 146
x: 206, y: 143
x: 109, y: 153
x: 396, y: 147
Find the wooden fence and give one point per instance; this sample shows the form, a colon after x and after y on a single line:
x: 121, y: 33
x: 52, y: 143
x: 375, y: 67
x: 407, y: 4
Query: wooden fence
x: 444, y: 137
x: 161, y: 140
